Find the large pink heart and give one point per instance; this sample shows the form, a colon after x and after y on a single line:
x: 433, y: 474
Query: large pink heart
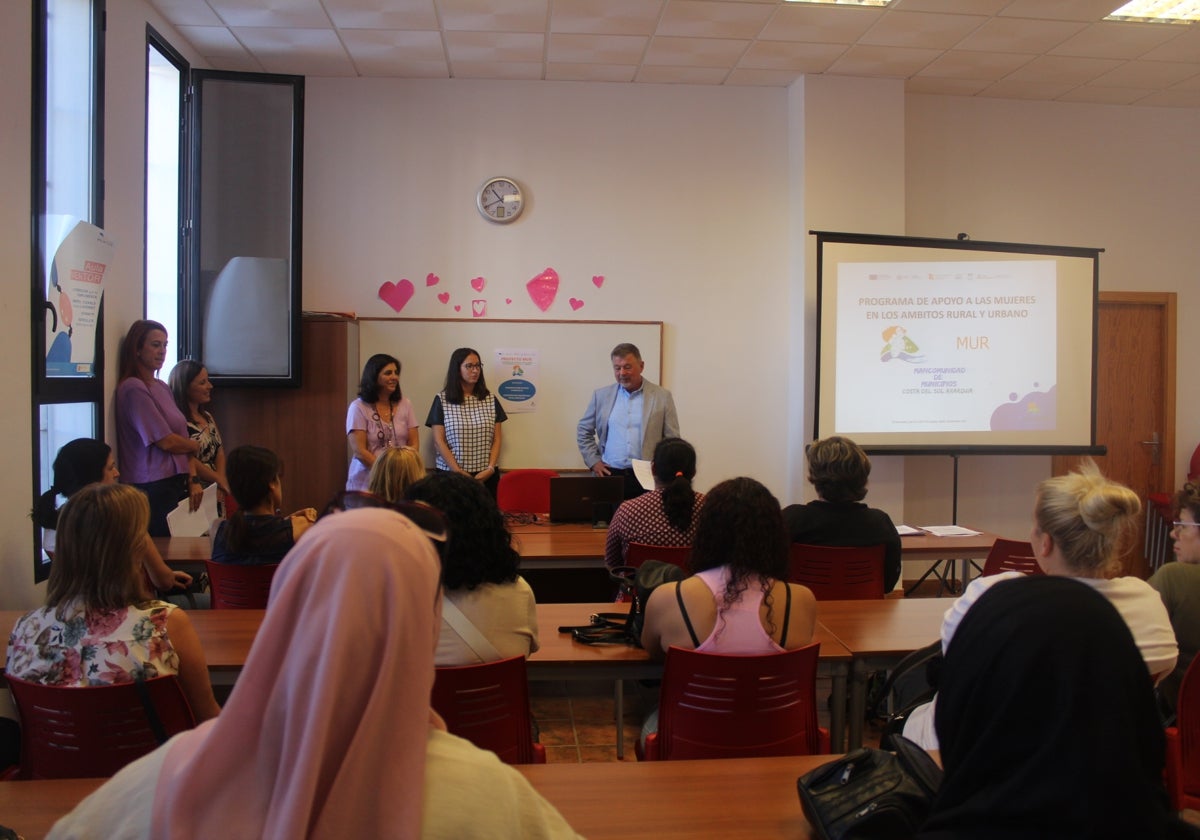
x: 396, y: 295
x: 543, y: 289
x: 478, y: 283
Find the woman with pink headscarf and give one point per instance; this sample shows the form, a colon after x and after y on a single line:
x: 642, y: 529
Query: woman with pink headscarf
x: 329, y: 732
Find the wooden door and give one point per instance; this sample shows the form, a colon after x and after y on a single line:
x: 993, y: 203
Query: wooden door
x: 1135, y: 400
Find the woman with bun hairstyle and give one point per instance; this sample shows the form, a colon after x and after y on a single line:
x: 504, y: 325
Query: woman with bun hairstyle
x: 395, y: 471
x: 664, y: 516
x: 1081, y: 524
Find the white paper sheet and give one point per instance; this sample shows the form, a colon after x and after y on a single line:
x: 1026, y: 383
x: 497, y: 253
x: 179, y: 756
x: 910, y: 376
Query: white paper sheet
x: 184, y: 523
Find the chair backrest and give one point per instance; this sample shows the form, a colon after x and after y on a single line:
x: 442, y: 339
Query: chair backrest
x: 836, y: 573
x: 1011, y: 556
x: 1187, y: 722
x: 721, y: 706
x: 234, y: 587
x: 525, y: 491
x: 488, y: 705
x: 638, y: 553
x: 75, y: 732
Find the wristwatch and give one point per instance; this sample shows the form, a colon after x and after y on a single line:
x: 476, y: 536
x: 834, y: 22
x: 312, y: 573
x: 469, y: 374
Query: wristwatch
x: 195, y: 479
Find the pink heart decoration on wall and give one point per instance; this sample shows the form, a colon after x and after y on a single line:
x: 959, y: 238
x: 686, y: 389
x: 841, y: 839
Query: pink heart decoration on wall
x: 508, y: 300
x: 444, y: 297
x: 457, y: 307
x: 396, y: 295
x: 432, y: 279
x: 478, y: 308
x: 598, y: 280
x: 543, y: 289
x: 478, y: 283
x: 576, y: 304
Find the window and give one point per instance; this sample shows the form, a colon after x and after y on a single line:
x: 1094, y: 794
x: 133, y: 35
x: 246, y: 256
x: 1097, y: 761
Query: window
x: 67, y: 282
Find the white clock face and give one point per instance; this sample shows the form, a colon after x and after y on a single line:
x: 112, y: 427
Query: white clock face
x: 500, y: 200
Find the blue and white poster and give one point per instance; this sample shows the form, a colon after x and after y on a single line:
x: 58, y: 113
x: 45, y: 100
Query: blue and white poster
x: 516, y: 371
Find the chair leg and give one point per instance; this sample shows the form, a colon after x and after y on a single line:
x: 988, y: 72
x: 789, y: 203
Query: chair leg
x: 619, y: 708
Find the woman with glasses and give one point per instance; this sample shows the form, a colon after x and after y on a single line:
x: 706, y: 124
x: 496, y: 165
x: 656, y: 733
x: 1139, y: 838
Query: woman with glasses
x: 329, y: 731
x: 255, y: 534
x: 488, y: 610
x: 380, y: 418
x: 1081, y: 524
x: 465, y: 418
x: 1178, y: 585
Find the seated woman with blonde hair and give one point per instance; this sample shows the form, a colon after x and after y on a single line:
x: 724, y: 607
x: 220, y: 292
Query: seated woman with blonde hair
x: 1081, y: 524
x: 98, y: 627
x: 329, y: 731
x: 394, y: 470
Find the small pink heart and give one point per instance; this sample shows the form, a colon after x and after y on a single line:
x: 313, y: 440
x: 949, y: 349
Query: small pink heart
x: 543, y: 289
x: 598, y: 280
x: 396, y: 295
x: 478, y: 283
x: 508, y: 300
x: 444, y: 297
x: 432, y: 279
x: 478, y: 308
x: 457, y: 308
x: 576, y: 303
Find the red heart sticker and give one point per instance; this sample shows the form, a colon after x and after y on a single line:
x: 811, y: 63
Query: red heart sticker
x: 478, y: 283
x: 444, y: 297
x: 432, y: 279
x: 396, y: 295
x: 598, y: 280
x: 576, y: 303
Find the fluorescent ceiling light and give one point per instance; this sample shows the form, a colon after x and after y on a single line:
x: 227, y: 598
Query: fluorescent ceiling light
x: 1159, y: 11
x: 844, y: 2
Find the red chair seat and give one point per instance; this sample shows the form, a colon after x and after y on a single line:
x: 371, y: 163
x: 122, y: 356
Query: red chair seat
x: 488, y: 705
x: 836, y: 573
x: 1011, y: 556
x: 524, y: 491
x: 234, y: 587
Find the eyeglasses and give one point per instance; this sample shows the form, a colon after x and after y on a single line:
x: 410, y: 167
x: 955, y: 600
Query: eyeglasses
x: 430, y: 520
x: 470, y: 366
x: 1178, y: 524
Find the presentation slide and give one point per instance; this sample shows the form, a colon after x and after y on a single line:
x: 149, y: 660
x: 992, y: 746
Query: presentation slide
x: 924, y: 347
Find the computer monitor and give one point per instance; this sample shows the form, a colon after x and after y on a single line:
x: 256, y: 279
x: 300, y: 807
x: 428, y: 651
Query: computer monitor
x: 586, y: 498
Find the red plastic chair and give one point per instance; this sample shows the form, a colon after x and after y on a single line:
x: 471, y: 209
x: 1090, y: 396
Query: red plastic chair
x: 638, y: 553
x: 488, y: 705
x: 525, y: 491
x: 1011, y: 556
x: 234, y: 587
x: 838, y: 573
x: 77, y: 732
x: 720, y: 706
x: 1183, y: 744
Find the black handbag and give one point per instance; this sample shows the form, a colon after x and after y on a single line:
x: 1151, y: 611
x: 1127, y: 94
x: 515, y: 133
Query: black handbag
x: 871, y: 793
x: 626, y: 628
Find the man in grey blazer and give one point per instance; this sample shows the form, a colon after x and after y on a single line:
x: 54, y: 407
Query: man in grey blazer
x: 625, y: 420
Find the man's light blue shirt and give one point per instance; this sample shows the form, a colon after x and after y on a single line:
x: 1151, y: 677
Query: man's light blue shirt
x: 624, y: 441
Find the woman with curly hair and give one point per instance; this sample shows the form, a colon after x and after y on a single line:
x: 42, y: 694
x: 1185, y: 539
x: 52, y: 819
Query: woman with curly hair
x: 738, y: 599
x: 488, y: 610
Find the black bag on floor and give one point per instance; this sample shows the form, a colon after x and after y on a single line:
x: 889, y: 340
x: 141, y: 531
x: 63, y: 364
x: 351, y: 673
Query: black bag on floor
x: 626, y: 628
x: 870, y: 793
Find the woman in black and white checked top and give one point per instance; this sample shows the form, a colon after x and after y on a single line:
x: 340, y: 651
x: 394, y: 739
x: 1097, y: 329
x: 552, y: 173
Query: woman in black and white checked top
x: 465, y: 418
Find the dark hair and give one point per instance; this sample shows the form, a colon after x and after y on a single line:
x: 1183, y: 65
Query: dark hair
x: 180, y: 379
x: 250, y: 471
x: 96, y: 555
x: 1188, y: 499
x: 838, y: 469
x: 132, y: 343
x: 626, y: 349
x: 77, y: 464
x: 740, y: 526
x: 674, y: 466
x: 480, y: 548
x: 368, y: 386
x: 453, y: 387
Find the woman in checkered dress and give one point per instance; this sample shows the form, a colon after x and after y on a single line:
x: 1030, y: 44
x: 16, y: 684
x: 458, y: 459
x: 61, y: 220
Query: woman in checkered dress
x: 465, y: 418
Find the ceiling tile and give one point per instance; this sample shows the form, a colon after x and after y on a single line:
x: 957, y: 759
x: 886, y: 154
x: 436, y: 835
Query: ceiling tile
x: 590, y: 72
x: 964, y: 64
x: 819, y: 24
x: 596, y: 49
x: 694, y: 52
x: 302, y: 14
x: 1115, y: 40
x: 960, y: 7
x: 1173, y: 98
x: 1103, y: 95
x: 490, y: 47
x: 215, y: 41
x: 1007, y: 89
x: 233, y: 64
x: 921, y: 29
x: 187, y: 12
x: 394, y: 45
x: 1183, y: 47
x: 382, y: 14
x: 305, y: 52
x: 786, y: 55
x: 511, y: 70
x: 493, y: 15
x: 708, y: 19
x: 1085, y: 10
x: 1019, y: 36
x: 945, y: 87
x: 1152, y: 75
x: 756, y: 77
x: 680, y: 75
x: 606, y: 17
x: 1052, y: 70
x: 887, y: 62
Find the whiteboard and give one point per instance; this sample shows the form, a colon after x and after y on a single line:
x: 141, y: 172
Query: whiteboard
x: 573, y: 361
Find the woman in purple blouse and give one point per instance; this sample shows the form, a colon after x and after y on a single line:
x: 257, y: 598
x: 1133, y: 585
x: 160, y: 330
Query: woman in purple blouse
x: 152, y: 435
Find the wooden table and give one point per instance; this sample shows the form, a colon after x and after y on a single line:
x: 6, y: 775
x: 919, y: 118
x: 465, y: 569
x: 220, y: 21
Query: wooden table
x: 876, y: 633
x: 962, y: 549
x: 730, y: 798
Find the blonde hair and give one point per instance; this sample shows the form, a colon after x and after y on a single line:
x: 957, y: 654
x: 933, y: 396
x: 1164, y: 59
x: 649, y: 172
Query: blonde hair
x: 1088, y: 516
x: 97, y: 554
x: 394, y: 470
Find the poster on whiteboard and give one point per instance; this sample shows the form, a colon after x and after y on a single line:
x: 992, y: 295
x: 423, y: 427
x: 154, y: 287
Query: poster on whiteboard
x: 74, y: 290
x: 516, y: 372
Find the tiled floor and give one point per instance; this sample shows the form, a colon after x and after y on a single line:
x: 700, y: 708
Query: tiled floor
x: 577, y: 722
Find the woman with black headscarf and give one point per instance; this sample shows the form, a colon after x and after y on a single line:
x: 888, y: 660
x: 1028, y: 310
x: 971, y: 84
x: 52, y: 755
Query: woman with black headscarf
x: 1047, y: 722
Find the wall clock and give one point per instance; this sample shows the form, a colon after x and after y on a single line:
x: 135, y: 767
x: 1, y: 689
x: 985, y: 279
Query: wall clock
x: 500, y: 200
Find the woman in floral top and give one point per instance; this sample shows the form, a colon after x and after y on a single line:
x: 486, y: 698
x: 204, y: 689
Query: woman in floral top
x: 96, y: 627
